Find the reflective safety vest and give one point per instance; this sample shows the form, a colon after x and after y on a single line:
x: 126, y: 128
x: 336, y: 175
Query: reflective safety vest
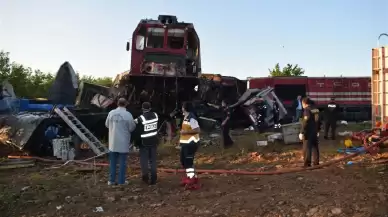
x: 187, y: 138
x: 149, y: 122
x: 331, y: 111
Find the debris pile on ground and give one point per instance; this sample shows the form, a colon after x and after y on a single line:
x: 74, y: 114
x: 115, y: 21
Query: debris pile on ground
x: 29, y: 191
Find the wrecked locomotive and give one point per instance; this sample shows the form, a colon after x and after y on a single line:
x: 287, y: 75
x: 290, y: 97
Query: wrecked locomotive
x: 165, y: 70
x: 165, y: 65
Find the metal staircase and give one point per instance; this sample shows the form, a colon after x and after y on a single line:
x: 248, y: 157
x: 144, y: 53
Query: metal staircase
x: 83, y: 132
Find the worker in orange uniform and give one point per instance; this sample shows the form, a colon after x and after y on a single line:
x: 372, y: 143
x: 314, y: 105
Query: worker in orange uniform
x: 189, y: 141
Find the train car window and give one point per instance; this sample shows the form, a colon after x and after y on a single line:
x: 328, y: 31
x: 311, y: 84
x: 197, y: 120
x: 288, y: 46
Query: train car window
x: 155, y: 37
x: 175, y: 38
x: 140, y: 42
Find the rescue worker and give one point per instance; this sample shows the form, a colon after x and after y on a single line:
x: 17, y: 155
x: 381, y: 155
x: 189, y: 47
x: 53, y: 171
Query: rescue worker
x: 262, y: 113
x: 330, y: 118
x: 225, y: 125
x: 309, y: 133
x: 318, y: 121
x: 148, y: 122
x: 189, y: 142
x: 275, y: 112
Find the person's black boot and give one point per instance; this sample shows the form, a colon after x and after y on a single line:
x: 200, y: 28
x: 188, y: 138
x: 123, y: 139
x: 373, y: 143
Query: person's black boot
x: 154, y: 178
x: 145, y: 179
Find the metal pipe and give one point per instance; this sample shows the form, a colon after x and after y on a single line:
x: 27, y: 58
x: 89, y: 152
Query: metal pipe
x: 378, y: 39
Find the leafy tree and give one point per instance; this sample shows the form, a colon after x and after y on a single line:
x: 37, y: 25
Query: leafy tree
x: 30, y: 83
x: 104, y: 81
x: 288, y: 70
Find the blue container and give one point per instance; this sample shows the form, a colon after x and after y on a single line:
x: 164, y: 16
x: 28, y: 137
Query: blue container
x: 23, y: 105
x: 26, y: 105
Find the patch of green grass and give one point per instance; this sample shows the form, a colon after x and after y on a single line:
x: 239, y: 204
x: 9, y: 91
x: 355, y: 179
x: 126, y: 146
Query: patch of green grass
x: 35, y: 176
x: 357, y: 126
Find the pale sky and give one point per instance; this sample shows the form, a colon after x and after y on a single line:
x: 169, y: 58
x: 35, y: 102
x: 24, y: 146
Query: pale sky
x: 238, y: 38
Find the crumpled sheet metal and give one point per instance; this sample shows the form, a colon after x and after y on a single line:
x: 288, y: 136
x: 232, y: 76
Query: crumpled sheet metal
x: 64, y: 88
x: 18, y: 129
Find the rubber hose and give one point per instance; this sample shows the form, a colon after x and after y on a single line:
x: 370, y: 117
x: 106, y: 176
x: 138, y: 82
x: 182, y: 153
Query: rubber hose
x: 221, y: 171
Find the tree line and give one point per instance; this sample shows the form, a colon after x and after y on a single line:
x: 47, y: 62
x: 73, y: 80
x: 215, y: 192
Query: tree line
x: 29, y: 83
x: 287, y: 70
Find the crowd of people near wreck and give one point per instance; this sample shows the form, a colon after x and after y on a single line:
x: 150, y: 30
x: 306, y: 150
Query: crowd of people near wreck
x: 122, y: 124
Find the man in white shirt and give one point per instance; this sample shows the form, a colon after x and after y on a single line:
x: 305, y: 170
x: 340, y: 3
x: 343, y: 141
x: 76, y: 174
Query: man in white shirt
x: 120, y: 123
x: 298, y: 108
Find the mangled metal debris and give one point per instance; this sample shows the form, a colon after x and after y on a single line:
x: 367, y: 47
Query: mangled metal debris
x: 16, y: 163
x: 32, y: 125
x: 65, y: 86
x: 35, y: 127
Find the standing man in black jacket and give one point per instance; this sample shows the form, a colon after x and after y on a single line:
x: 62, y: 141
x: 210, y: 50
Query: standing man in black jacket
x: 148, y: 122
x: 331, y: 117
x: 309, y: 133
x: 276, y: 114
x: 225, y: 125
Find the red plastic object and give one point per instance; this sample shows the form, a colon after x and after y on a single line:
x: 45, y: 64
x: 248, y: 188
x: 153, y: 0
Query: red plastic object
x: 193, y: 184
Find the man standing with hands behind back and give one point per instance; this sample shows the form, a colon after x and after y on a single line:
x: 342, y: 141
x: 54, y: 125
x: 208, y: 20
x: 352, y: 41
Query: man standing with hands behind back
x: 331, y: 117
x: 309, y: 133
x: 148, y: 122
x: 120, y: 123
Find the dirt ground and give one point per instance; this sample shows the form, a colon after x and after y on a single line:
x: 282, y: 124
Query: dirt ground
x: 359, y: 189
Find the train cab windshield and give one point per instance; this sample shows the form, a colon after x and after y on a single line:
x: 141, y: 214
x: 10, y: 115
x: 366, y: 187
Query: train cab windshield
x: 175, y: 38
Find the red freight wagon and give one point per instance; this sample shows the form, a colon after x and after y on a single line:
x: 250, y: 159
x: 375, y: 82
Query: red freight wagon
x: 353, y: 94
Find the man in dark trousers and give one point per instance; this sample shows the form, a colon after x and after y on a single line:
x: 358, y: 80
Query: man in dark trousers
x: 297, y: 105
x: 331, y: 117
x: 309, y: 133
x: 148, y: 125
x: 276, y: 115
x: 262, y: 113
x: 225, y: 125
x: 189, y: 142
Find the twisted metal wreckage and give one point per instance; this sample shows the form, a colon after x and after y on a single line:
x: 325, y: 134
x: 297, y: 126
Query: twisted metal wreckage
x: 38, y: 125
x: 165, y: 70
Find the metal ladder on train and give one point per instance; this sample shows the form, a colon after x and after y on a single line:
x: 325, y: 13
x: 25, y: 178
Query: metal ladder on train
x: 80, y: 129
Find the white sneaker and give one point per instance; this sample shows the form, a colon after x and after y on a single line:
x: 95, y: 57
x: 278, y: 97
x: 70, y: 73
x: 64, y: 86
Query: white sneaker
x: 125, y: 183
x: 111, y: 183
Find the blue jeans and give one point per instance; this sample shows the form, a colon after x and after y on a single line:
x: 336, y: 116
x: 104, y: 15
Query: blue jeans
x: 298, y: 115
x: 113, y: 158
